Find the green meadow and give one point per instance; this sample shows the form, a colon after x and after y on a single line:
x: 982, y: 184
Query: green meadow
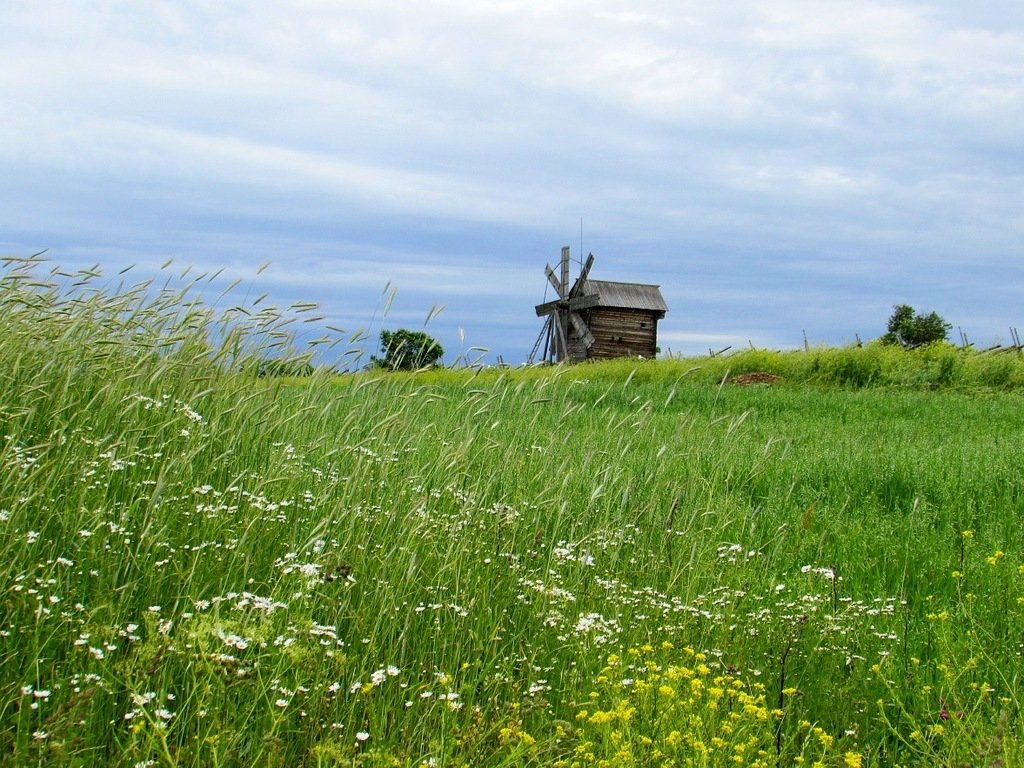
x: 636, y: 563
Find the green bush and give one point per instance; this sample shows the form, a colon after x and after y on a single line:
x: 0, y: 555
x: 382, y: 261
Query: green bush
x: 909, y: 329
x: 405, y: 350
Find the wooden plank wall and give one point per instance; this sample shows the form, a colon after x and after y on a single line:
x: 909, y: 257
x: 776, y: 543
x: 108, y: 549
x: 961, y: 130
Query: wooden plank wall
x: 623, y: 332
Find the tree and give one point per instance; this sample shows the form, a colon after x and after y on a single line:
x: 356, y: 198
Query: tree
x: 909, y: 329
x: 405, y: 350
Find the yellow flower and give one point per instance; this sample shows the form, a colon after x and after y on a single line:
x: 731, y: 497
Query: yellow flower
x: 601, y: 718
x: 825, y: 739
x: 852, y: 760
x: 967, y: 534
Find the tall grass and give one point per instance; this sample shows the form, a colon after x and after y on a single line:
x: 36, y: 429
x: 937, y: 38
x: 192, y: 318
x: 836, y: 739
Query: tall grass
x: 626, y: 564
x: 877, y: 365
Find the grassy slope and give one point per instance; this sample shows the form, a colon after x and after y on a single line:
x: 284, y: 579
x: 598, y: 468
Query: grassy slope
x: 621, y: 562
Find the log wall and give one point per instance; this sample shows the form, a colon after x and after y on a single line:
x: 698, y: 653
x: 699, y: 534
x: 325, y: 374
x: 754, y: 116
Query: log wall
x: 623, y: 333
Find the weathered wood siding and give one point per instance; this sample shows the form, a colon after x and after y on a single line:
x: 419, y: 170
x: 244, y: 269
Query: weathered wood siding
x: 623, y: 332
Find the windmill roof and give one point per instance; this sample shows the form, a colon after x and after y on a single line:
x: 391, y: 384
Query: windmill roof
x: 626, y: 295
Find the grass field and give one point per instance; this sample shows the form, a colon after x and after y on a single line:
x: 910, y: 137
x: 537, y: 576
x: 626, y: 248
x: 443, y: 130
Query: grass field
x: 634, y: 563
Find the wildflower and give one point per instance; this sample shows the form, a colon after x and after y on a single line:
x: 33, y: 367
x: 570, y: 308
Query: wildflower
x: 191, y: 414
x: 362, y: 736
x: 852, y: 760
x: 601, y: 718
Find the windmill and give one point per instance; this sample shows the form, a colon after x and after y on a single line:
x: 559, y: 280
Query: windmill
x: 597, y: 319
x: 565, y: 334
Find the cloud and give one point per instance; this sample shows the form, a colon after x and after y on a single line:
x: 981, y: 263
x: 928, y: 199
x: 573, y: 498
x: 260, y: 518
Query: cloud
x: 824, y: 152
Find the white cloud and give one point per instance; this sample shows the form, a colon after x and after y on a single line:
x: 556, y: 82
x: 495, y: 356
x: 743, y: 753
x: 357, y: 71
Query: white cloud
x: 778, y: 132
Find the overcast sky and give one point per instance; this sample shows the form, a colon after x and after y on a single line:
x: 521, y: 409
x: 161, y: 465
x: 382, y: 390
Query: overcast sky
x: 777, y: 166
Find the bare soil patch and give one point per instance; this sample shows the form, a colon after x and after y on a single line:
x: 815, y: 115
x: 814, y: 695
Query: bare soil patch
x: 755, y: 377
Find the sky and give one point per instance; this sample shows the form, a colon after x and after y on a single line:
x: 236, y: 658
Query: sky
x: 781, y: 168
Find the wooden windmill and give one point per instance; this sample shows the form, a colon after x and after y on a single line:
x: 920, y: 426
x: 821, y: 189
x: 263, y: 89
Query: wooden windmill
x: 592, y: 319
x: 562, y: 316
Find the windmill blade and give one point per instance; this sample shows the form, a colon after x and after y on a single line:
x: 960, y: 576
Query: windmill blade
x: 553, y: 279
x: 581, y: 330
x: 548, y: 307
x: 586, y: 301
x: 584, y: 273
